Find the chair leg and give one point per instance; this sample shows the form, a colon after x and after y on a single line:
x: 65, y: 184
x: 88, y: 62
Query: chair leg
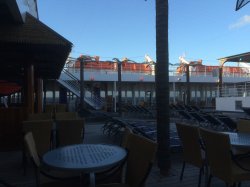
x: 199, y: 182
x: 206, y: 172
x: 24, y: 161
x: 182, y: 170
x: 234, y: 184
x: 209, y: 180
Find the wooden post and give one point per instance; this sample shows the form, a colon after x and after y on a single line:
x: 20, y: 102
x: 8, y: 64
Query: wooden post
x: 39, y: 95
x: 29, y: 89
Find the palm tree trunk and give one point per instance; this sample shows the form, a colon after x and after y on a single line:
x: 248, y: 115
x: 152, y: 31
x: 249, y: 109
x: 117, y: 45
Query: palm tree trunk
x: 162, y: 83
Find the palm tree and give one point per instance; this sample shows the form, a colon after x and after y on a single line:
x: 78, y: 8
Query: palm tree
x: 162, y: 89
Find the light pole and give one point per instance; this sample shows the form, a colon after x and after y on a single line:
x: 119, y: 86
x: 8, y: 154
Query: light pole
x: 119, y: 64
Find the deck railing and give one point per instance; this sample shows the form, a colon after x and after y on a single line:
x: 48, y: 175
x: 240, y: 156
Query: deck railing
x: 236, y: 90
x: 206, y: 71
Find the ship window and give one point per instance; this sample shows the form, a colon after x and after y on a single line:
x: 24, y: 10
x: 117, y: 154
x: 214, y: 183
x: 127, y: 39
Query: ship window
x: 238, y: 105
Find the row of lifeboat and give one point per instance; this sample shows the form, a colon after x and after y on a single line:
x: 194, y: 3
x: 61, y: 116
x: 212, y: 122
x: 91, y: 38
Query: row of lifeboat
x: 149, y: 66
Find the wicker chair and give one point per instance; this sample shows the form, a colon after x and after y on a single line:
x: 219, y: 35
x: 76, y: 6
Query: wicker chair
x: 243, y: 125
x: 115, y: 173
x: 41, y: 130
x: 192, y: 152
x: 66, y: 115
x: 49, y: 108
x: 46, y: 177
x: 70, y: 131
x: 220, y: 160
x: 141, y: 154
x: 61, y: 108
x: 40, y: 116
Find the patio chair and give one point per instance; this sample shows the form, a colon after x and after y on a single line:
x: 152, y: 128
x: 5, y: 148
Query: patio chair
x: 114, y: 174
x: 49, y: 108
x: 41, y: 130
x: 213, y: 122
x: 44, y: 176
x: 185, y: 116
x: 69, y: 131
x: 228, y: 122
x: 220, y: 160
x: 61, y: 108
x: 40, y: 116
x: 113, y: 126
x: 243, y: 125
x: 66, y: 115
x: 141, y: 154
x: 200, y: 120
x: 191, y: 146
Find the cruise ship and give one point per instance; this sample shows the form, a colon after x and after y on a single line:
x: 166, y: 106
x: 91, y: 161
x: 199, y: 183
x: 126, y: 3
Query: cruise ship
x: 138, y: 82
x: 100, y: 79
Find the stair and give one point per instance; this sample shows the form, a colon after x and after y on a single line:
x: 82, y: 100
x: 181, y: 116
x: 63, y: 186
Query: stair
x: 73, y: 84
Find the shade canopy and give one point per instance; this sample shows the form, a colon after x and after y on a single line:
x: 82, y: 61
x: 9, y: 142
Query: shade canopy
x: 31, y: 43
x: 7, y: 88
x: 243, y: 57
x: 241, y: 3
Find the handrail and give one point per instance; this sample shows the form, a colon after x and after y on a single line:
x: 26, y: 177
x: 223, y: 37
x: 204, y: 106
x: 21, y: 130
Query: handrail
x: 70, y: 74
x: 73, y: 84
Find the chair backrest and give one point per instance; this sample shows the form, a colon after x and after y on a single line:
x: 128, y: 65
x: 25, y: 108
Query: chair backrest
x: 125, y: 137
x: 190, y: 139
x: 50, y: 108
x: 41, y: 131
x: 141, y: 155
x: 31, y: 146
x: 217, y: 146
x: 70, y: 131
x: 40, y: 116
x: 66, y: 115
x: 243, y: 125
x: 61, y: 107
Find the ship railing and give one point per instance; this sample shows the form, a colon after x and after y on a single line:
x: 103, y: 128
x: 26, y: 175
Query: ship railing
x: 241, y: 89
x: 172, y: 71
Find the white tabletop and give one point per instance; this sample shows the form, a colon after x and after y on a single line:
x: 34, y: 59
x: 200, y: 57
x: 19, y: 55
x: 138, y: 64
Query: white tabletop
x: 239, y: 139
x: 85, y: 157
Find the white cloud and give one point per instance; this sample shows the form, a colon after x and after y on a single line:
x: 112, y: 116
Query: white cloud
x: 243, y: 21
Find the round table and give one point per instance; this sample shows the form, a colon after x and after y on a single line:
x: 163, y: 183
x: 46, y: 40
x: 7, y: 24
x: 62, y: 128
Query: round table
x: 87, y: 158
x: 241, y: 140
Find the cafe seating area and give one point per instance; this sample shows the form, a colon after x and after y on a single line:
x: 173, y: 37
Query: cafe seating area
x: 12, y: 172
x: 218, y: 154
x: 57, y: 129
x: 137, y: 169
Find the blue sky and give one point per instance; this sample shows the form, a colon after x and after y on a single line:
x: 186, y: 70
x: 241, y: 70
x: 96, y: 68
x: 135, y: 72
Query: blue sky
x: 198, y: 29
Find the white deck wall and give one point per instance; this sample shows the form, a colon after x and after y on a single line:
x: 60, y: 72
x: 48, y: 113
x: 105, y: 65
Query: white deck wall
x: 229, y: 103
